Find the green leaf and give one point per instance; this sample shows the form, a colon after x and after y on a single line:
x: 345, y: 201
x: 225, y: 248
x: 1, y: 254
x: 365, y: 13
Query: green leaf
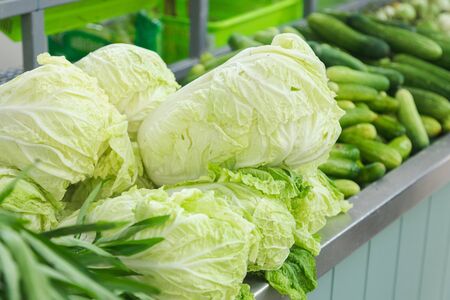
x: 37, y: 286
x: 9, y: 188
x: 91, y: 198
x: 245, y: 293
x: 78, y: 229
x: 127, y: 248
x: 10, y: 274
x: 297, y: 276
x: 136, y: 227
x: 66, y: 265
x: 127, y: 285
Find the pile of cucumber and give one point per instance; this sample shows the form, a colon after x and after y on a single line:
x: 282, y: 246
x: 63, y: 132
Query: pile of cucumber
x: 394, y: 85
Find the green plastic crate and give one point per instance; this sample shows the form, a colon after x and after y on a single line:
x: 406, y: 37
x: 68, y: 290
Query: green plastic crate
x: 77, y: 14
x: 225, y: 18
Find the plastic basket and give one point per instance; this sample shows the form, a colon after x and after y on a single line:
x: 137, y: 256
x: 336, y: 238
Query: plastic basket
x: 77, y: 14
x: 225, y: 17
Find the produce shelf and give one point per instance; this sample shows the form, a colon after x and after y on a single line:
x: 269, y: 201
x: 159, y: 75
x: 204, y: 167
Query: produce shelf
x: 375, y: 207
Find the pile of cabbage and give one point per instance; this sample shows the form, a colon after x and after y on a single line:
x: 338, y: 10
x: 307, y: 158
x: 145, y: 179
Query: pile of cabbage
x: 231, y: 158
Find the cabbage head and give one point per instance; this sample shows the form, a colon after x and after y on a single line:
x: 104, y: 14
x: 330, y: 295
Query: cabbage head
x: 274, y: 231
x: 135, y: 79
x: 29, y: 201
x: 59, y: 115
x: 268, y: 105
x: 205, y: 248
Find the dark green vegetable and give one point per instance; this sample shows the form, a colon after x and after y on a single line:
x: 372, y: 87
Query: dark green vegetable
x: 345, y: 104
x: 340, y: 168
x: 399, y: 39
x: 345, y: 151
x: 423, y: 65
x: 332, y: 56
x: 356, y: 92
x: 396, y: 78
x: 347, y: 187
x: 442, y: 40
x: 403, y: 146
x: 266, y: 36
x: 383, y: 104
x: 239, y: 41
x: 364, y: 130
x: 338, y: 33
x: 290, y: 29
x: 389, y: 127
x: 373, y: 151
x: 432, y: 126
x: 342, y: 74
x: 430, y: 104
x: 356, y: 116
x: 371, y: 172
x: 410, y: 118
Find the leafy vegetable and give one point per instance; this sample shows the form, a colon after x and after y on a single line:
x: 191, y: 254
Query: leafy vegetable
x: 268, y: 105
x: 245, y: 293
x: 135, y: 79
x: 296, y: 277
x: 205, y: 248
x: 57, y: 114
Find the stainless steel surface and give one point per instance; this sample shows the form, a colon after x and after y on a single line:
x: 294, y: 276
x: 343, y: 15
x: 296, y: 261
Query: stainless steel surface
x: 34, y: 40
x: 377, y: 206
x: 10, y: 8
x: 198, y: 15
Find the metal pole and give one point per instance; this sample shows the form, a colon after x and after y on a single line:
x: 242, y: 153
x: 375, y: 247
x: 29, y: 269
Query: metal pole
x: 309, y: 6
x: 198, y: 14
x: 34, y: 40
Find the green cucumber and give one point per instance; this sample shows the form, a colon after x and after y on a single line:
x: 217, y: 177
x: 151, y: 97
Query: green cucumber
x: 399, y: 39
x: 396, y: 78
x: 340, y: 168
x: 290, y: 29
x: 306, y: 31
x: 332, y: 56
x: 415, y: 77
x: 347, y: 187
x: 432, y: 126
x: 217, y: 61
x: 239, y: 41
x: 442, y: 40
x: 389, y: 127
x: 342, y: 74
x: 383, y: 104
x: 345, y: 104
x: 266, y: 36
x: 371, y: 173
x: 430, y: 104
x: 423, y: 65
x: 338, y: 33
x: 373, y: 151
x: 345, y: 151
x: 410, y: 118
x: 364, y: 130
x: 362, y: 105
x: 446, y: 124
x: 356, y: 92
x: 357, y: 115
x: 403, y: 146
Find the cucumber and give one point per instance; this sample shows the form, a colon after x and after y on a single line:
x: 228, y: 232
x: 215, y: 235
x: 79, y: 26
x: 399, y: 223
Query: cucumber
x: 410, y: 118
x: 347, y: 187
x: 362, y: 105
x: 239, y: 41
x: 446, y: 124
x: 306, y: 31
x: 340, y: 168
x: 380, y: 139
x: 345, y: 151
x: 195, y: 72
x: 423, y: 65
x: 371, y: 173
x: 403, y: 146
x: 266, y: 36
x: 290, y: 29
x: 345, y: 104
x: 357, y: 115
x: 332, y: 56
x: 373, y: 151
x: 333, y: 86
x: 205, y: 57
x: 364, y: 130
x: 384, y: 104
x: 430, y: 104
x: 415, y: 77
x: 442, y: 40
x: 389, y: 127
x: 356, y: 92
x: 217, y: 61
x: 342, y: 74
x: 432, y: 126
x: 336, y: 32
x: 399, y: 39
x: 396, y: 78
